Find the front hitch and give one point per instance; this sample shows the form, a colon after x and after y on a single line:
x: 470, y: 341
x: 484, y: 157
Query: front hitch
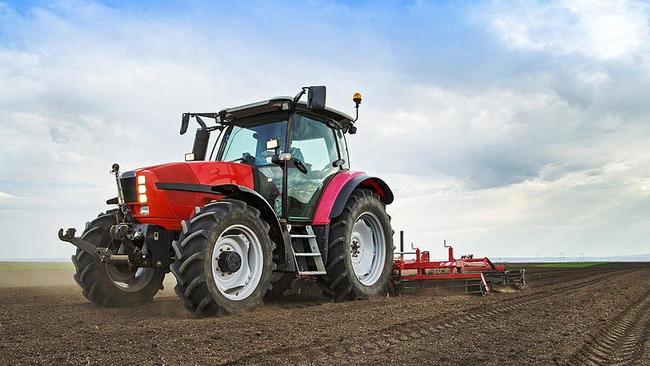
x: 101, y: 253
x: 87, y: 247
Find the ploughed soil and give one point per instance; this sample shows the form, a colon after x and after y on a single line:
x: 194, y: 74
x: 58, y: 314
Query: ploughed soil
x: 595, y: 315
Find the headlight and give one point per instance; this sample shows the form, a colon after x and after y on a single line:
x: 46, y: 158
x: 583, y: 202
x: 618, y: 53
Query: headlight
x: 142, y: 189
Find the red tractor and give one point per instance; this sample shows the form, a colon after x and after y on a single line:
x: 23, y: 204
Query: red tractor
x: 274, y: 200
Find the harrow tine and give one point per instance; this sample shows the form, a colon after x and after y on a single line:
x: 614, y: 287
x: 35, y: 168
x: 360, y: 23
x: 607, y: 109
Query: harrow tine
x: 467, y: 286
x: 516, y: 277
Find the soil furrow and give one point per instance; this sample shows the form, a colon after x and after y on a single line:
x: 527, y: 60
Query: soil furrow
x: 418, y: 326
x: 621, y: 343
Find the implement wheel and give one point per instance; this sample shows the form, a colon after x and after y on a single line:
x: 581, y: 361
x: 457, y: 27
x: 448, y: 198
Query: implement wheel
x: 112, y: 285
x: 360, y: 251
x: 224, y: 259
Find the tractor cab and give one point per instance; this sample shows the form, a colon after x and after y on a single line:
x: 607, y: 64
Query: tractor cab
x: 293, y: 147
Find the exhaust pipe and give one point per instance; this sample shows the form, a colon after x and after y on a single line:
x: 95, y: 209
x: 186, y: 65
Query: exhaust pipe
x: 200, y: 148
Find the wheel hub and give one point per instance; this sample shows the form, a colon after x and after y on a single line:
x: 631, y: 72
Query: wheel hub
x: 355, y: 248
x: 229, y: 261
x: 238, y: 262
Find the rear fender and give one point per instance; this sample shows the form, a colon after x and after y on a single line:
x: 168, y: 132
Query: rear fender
x: 277, y: 231
x: 338, y: 191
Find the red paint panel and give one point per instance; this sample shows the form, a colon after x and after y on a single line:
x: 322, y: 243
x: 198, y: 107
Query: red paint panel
x: 216, y: 173
x: 168, y: 208
x: 329, y: 195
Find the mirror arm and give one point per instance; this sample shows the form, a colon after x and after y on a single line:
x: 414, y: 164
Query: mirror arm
x: 200, y: 122
x: 185, y: 120
x: 298, y: 96
x: 208, y: 115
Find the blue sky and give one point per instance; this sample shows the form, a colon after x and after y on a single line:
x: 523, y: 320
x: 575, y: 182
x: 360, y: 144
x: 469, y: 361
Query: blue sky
x: 511, y: 128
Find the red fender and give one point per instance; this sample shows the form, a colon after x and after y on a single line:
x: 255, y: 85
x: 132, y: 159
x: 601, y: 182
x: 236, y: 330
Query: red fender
x: 338, y: 191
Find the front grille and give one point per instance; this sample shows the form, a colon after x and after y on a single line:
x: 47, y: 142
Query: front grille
x: 128, y: 187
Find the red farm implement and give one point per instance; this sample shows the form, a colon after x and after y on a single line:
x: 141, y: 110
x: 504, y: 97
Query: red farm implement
x: 468, y: 274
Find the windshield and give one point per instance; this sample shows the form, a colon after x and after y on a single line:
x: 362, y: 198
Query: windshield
x: 248, y: 143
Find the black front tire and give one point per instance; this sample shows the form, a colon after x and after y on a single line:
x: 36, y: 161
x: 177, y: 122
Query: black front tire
x: 193, y: 264
x: 341, y: 283
x: 93, y: 276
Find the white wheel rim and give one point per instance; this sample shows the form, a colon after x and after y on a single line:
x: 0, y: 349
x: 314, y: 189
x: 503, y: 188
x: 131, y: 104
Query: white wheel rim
x: 368, y: 248
x: 241, y: 284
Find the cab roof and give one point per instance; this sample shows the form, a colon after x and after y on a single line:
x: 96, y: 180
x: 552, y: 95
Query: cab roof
x: 284, y: 103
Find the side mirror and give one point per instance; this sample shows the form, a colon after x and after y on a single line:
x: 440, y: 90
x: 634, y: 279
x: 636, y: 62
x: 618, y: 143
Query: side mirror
x: 184, y: 123
x: 316, y: 97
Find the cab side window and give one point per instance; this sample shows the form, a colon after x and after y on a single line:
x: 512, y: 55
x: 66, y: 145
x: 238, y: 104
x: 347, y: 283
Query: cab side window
x: 314, y: 143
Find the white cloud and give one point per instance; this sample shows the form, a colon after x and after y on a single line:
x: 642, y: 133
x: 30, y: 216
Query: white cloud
x: 6, y: 196
x: 601, y: 29
x: 596, y: 79
x: 484, y: 137
x: 582, y: 211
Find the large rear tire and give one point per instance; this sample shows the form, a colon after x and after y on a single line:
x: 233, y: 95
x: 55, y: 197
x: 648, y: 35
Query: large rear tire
x: 108, y: 285
x: 360, y: 249
x: 217, y: 230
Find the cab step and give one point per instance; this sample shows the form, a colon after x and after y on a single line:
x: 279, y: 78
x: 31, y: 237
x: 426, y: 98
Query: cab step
x: 310, y: 253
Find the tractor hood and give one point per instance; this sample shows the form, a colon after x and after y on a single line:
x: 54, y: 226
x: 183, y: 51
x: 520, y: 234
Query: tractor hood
x: 165, y: 194
x: 208, y: 173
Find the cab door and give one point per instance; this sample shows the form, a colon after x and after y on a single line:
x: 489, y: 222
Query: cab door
x: 246, y: 143
x: 312, y: 142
